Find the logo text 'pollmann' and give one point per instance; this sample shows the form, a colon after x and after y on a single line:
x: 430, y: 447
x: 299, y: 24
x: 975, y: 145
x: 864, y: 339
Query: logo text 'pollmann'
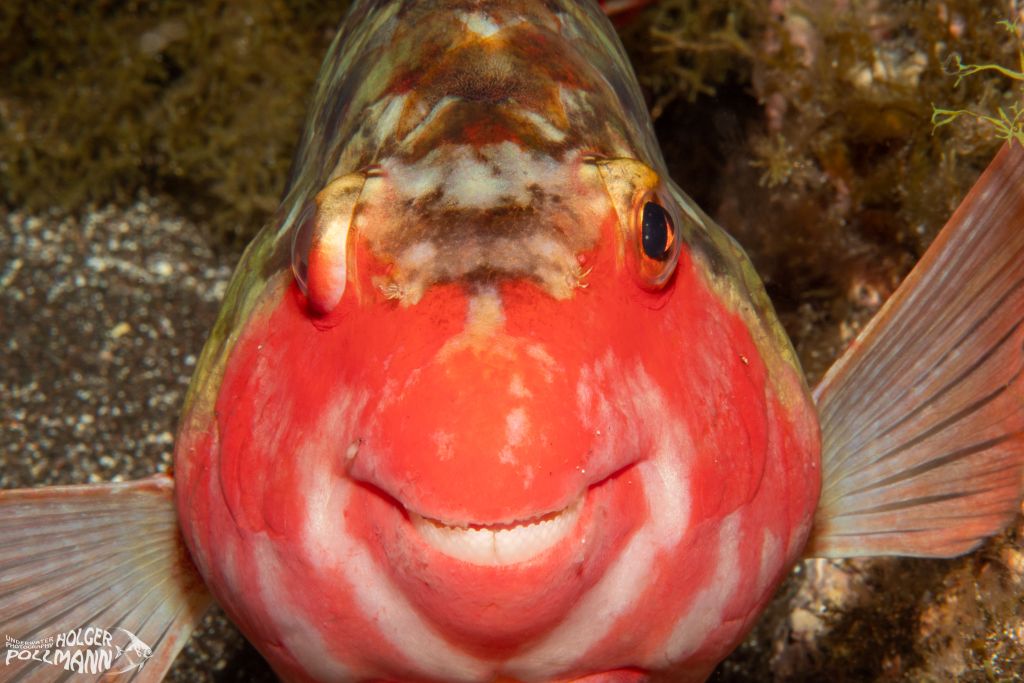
x: 88, y: 650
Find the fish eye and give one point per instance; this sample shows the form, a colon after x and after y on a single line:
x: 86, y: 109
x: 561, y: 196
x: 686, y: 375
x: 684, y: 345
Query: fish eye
x: 657, y: 248
x: 656, y: 231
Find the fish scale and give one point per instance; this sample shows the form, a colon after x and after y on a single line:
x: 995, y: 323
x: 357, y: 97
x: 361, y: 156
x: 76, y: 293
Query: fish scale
x: 491, y: 391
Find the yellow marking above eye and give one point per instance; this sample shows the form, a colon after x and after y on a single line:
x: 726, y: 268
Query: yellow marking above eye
x: 648, y: 219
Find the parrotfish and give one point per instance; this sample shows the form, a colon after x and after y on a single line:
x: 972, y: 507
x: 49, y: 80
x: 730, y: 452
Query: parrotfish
x: 491, y: 398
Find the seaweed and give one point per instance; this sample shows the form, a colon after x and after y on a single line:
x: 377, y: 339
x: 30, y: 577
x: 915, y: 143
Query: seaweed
x: 1007, y: 125
x: 201, y: 102
x: 685, y: 49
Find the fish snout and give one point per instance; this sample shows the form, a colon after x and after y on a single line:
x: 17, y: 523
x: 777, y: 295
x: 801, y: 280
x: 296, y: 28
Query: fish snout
x: 486, y: 433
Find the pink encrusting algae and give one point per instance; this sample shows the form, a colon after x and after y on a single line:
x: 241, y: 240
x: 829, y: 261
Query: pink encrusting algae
x: 493, y: 400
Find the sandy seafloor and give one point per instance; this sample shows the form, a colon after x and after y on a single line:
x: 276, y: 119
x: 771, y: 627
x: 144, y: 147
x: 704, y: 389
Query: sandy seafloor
x: 102, y: 320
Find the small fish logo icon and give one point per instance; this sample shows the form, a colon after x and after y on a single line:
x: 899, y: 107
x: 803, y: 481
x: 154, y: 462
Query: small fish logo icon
x: 136, y: 653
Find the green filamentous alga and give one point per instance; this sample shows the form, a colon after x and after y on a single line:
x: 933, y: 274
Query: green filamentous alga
x: 1008, y: 123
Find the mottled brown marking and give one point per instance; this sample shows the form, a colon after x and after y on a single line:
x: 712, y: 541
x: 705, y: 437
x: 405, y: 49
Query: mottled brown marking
x: 519, y: 68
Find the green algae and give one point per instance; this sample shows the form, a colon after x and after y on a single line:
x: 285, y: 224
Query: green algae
x: 1006, y: 123
x: 685, y: 49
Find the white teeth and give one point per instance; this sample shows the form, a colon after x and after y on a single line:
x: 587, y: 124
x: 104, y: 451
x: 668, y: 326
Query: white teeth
x: 498, y: 544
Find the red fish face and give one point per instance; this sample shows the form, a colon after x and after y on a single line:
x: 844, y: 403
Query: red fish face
x: 499, y: 478
x: 523, y: 412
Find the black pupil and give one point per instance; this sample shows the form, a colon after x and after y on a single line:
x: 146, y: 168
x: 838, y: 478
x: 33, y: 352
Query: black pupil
x: 655, y: 231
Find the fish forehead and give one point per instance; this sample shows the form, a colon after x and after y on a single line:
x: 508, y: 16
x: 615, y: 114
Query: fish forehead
x: 552, y: 72
x: 431, y: 86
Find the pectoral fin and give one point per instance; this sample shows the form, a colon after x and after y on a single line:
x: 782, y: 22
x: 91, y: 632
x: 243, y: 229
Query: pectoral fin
x: 923, y: 417
x: 104, y: 556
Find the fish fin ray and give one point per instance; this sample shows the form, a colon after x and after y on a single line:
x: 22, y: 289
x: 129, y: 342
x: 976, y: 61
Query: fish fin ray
x: 106, y: 555
x: 923, y: 417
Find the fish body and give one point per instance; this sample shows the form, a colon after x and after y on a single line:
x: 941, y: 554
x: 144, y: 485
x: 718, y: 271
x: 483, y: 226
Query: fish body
x: 491, y: 399
x: 509, y: 435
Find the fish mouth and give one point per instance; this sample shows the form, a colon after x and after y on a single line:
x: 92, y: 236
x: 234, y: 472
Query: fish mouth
x: 499, y: 544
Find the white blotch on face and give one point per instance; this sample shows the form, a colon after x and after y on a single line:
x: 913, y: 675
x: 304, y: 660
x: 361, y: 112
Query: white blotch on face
x: 554, y: 263
x: 479, y: 23
x: 418, y: 256
x: 340, y: 417
x: 667, y: 487
x: 474, y: 185
x: 598, y: 410
x: 517, y: 426
x: 591, y: 396
x: 484, y: 315
x: 389, y: 393
x: 546, y: 128
x: 416, y: 180
x: 485, y: 177
x: 445, y: 443
x: 538, y: 353
x: 708, y: 606
x: 484, y: 318
x: 544, y: 246
x: 574, y: 102
x: 517, y: 388
x: 584, y: 396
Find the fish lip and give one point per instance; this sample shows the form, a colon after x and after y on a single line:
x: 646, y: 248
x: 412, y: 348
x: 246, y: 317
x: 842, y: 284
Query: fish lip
x: 502, y: 544
x: 513, y: 542
x: 577, y: 499
x: 572, y: 507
